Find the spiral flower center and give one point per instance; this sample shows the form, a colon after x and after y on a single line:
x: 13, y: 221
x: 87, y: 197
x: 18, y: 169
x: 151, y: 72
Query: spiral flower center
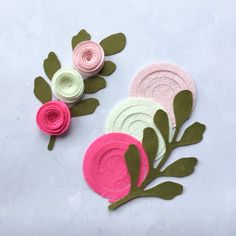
x: 88, y: 56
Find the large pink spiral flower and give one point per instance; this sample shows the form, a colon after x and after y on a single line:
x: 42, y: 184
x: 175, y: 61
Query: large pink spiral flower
x: 53, y: 118
x: 88, y: 57
x: 104, y: 165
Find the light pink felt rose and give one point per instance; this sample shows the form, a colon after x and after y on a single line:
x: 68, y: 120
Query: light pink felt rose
x: 53, y: 118
x: 88, y: 58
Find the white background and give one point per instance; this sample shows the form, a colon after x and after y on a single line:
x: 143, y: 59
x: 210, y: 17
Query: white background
x: 44, y: 193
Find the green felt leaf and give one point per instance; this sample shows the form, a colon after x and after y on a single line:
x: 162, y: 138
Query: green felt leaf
x: 94, y: 84
x: 150, y: 144
x: 133, y: 164
x: 181, y: 168
x: 193, y: 134
x: 183, y: 103
x: 51, y: 65
x: 167, y: 190
x: 84, y: 107
x: 108, y: 68
x: 113, y: 44
x: 83, y: 35
x: 162, y: 123
x: 42, y: 90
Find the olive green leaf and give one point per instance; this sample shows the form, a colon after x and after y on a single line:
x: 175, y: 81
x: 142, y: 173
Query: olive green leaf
x: 193, y: 134
x: 181, y: 168
x: 167, y: 190
x: 42, y: 90
x: 108, y: 68
x: 83, y: 35
x: 113, y: 43
x: 94, y: 84
x: 150, y: 144
x: 133, y: 164
x: 162, y: 123
x: 51, y: 65
x: 183, y: 103
x: 84, y: 107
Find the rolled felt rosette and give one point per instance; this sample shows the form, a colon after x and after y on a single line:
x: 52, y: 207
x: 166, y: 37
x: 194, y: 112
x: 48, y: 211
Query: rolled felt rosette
x: 67, y: 85
x: 88, y: 58
x: 53, y: 118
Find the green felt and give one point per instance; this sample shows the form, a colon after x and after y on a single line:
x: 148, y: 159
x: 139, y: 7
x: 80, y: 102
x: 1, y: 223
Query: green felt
x: 94, y: 84
x: 113, y: 43
x: 181, y: 168
x: 132, y: 160
x: 51, y: 65
x: 108, y: 68
x: 42, y: 90
x: 150, y: 144
x: 83, y: 35
x: 167, y: 190
x: 84, y: 107
x: 51, y: 143
x: 162, y: 123
x: 183, y: 103
x: 193, y: 134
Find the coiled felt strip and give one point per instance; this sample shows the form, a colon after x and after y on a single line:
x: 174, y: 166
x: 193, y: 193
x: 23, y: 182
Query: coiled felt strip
x: 53, y: 118
x: 88, y: 57
x: 104, y: 165
x: 132, y: 116
x: 161, y: 82
x: 67, y: 85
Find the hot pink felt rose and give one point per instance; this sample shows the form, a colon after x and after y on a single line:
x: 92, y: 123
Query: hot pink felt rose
x: 53, y: 118
x: 88, y: 57
x: 105, y: 168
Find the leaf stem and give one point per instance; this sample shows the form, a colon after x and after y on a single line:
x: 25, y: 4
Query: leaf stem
x: 156, y: 172
x: 137, y: 192
x: 51, y: 143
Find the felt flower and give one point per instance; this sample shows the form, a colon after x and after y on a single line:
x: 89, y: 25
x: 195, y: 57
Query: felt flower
x: 53, y: 118
x: 67, y: 85
x: 88, y: 57
x: 105, y: 167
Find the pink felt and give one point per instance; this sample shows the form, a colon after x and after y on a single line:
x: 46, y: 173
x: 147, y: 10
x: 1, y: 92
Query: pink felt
x: 88, y: 58
x: 161, y: 82
x: 104, y: 165
x: 53, y: 118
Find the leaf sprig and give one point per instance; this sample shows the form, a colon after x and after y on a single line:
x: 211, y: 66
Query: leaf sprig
x: 42, y: 90
x: 183, y: 104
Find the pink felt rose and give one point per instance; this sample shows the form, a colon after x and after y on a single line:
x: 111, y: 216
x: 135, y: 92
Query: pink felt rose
x: 88, y: 58
x: 53, y: 118
x: 105, y: 168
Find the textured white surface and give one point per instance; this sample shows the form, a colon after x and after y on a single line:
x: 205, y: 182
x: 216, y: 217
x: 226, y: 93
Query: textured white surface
x: 43, y: 193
